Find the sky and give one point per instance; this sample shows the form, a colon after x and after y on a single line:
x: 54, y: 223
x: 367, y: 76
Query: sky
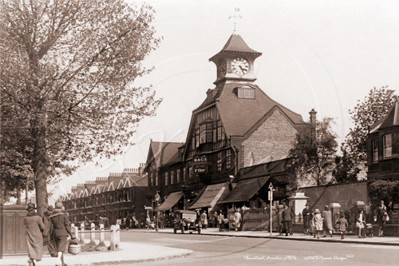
x: 325, y: 55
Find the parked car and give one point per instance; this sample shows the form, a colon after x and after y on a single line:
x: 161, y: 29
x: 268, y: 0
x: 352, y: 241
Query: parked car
x: 186, y: 221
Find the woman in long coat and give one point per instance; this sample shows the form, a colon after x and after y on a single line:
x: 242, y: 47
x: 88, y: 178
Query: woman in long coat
x: 34, y: 227
x: 317, y: 222
x: 327, y: 222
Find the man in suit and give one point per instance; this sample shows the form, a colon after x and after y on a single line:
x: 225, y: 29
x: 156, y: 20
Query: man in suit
x: 61, y: 229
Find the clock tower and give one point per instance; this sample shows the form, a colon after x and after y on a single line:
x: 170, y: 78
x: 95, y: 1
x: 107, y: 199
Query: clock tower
x: 235, y: 62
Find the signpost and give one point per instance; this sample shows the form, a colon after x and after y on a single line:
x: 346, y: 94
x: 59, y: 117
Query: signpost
x: 270, y: 194
x: 157, y: 198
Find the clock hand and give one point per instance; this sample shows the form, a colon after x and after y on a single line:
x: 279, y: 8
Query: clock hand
x: 242, y: 69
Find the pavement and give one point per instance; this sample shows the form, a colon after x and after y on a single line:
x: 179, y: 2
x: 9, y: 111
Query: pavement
x: 129, y: 252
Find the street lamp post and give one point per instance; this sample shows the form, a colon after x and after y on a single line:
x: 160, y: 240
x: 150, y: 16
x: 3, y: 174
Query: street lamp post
x: 271, y: 203
x: 157, y: 198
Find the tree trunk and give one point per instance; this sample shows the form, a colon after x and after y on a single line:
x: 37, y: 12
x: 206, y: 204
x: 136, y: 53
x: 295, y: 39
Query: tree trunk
x: 39, y: 164
x: 18, y: 196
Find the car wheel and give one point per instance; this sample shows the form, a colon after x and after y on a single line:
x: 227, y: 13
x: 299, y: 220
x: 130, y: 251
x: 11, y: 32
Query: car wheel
x: 199, y: 230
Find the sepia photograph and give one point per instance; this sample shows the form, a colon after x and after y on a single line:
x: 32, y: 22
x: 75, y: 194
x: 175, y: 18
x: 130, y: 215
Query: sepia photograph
x: 188, y: 132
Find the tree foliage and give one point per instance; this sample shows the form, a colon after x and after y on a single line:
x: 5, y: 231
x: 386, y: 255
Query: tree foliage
x: 383, y: 190
x: 374, y: 107
x: 67, y: 71
x: 313, y: 151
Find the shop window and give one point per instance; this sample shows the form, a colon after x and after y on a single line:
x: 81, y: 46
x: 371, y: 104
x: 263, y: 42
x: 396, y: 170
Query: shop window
x: 178, y: 176
x: 190, y: 172
x: 387, y: 145
x: 184, y: 175
x: 166, y: 178
x: 172, y: 177
x: 375, y: 151
x: 197, y: 138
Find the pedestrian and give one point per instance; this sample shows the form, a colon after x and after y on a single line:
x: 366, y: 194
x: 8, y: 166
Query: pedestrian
x: 62, y: 228
x: 287, y: 220
x: 381, y: 211
x: 237, y: 219
x: 327, y: 221
x: 127, y: 223
x: 48, y: 239
x: 361, y: 222
x: 34, y: 227
x: 306, y: 216
x: 221, y: 221
x: 204, y: 220
x: 216, y: 218
x: 342, y: 225
x: 317, y: 222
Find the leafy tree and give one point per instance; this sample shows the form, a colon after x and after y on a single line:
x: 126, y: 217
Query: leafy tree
x: 374, y: 107
x: 345, y: 170
x: 67, y: 70
x: 313, y: 151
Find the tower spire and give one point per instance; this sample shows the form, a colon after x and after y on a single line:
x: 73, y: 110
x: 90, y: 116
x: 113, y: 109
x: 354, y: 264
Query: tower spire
x: 236, y: 15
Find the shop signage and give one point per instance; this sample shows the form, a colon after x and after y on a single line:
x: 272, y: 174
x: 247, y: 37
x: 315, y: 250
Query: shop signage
x: 200, y: 169
x: 200, y: 159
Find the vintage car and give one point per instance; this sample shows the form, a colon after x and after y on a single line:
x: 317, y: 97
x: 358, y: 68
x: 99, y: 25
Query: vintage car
x: 186, y: 221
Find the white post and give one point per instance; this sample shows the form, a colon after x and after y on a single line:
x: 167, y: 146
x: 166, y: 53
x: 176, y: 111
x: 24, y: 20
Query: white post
x: 75, y: 231
x: 113, y: 236
x: 82, y: 235
x: 92, y: 233
x: 118, y: 236
x: 101, y: 233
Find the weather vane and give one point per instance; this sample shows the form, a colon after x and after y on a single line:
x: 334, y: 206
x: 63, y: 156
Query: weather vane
x: 235, y: 16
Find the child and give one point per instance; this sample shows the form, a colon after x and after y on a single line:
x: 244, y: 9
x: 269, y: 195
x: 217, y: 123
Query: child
x: 343, y: 225
x: 317, y: 222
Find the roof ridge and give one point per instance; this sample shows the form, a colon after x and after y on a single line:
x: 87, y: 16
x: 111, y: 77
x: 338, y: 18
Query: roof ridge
x: 277, y: 102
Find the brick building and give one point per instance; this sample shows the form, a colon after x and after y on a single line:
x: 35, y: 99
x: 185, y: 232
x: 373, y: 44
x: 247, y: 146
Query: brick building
x: 117, y: 196
x: 383, y: 147
x: 237, y: 126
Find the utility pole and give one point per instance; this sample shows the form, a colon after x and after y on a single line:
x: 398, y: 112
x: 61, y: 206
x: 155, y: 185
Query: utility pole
x: 157, y: 198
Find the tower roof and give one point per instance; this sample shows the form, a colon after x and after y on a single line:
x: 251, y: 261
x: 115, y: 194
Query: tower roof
x: 235, y: 44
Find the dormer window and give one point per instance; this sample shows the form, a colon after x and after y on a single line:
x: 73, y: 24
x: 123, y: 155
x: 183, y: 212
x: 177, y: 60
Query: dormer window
x: 245, y: 93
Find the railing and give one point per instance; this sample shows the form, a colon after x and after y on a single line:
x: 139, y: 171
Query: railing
x: 115, y: 234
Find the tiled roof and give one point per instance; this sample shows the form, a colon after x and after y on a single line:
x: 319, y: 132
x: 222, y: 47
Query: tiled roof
x: 162, y: 152
x: 236, y: 44
x: 389, y: 120
x: 240, y: 115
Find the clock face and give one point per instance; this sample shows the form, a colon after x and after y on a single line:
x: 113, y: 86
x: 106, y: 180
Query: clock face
x: 239, y: 66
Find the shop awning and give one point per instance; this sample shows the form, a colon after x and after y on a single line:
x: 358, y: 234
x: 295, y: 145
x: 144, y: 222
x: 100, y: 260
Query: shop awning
x: 170, y: 201
x: 245, y: 189
x: 211, y: 195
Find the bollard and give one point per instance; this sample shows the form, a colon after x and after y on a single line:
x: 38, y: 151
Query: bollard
x: 118, y: 236
x: 101, y: 233
x: 75, y: 231
x: 92, y: 233
x: 113, y: 236
x: 82, y: 235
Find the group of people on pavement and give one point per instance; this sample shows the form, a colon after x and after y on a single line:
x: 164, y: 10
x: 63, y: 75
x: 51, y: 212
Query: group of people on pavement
x: 51, y: 230
x: 315, y: 223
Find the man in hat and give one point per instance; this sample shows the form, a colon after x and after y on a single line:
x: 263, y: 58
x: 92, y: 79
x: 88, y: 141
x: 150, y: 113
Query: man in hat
x: 61, y: 229
x: 306, y: 216
x: 287, y: 220
x: 34, y: 238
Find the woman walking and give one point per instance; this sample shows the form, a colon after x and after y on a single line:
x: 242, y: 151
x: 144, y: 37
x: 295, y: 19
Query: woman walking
x: 317, y: 222
x: 34, y: 228
x: 327, y: 222
x: 361, y: 222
